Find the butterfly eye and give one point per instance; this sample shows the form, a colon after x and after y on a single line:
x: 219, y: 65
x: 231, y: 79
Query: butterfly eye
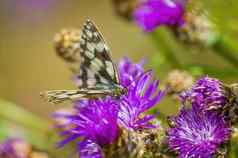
x: 124, y: 91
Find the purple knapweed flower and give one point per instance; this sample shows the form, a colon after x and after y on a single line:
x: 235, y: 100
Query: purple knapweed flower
x: 143, y: 94
x: 97, y: 122
x: 89, y: 149
x: 140, y: 98
x: 196, y: 134
x: 151, y: 14
x: 207, y: 93
x: 96, y: 125
x: 15, y: 148
x: 129, y: 71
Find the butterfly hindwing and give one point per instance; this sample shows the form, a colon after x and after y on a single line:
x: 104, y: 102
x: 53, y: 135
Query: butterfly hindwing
x: 96, y: 65
x: 58, y: 96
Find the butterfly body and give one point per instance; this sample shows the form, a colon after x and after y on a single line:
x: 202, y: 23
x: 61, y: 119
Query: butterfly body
x: 97, y: 76
x: 118, y: 91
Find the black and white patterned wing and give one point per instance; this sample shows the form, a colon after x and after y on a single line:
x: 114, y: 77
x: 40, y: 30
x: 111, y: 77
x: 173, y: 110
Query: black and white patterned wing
x: 59, y: 96
x: 96, y: 67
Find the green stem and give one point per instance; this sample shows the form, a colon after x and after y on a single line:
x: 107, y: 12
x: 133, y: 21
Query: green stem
x: 13, y: 113
x: 234, y: 148
x: 227, y: 49
x: 211, y: 70
x: 36, y: 130
x: 161, y: 42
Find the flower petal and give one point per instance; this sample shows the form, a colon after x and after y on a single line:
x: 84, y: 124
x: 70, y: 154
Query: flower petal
x: 89, y: 149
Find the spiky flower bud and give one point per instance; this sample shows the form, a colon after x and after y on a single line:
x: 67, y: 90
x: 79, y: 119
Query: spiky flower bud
x: 125, y: 8
x: 234, y: 90
x: 210, y: 94
x: 178, y: 81
x: 139, y: 144
x: 66, y: 44
x: 207, y: 93
x: 198, y: 29
x: 231, y: 110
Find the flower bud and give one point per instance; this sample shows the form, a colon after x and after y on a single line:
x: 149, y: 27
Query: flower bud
x: 67, y: 44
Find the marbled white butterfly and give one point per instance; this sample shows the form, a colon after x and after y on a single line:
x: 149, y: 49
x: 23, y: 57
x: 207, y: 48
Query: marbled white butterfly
x: 97, y: 76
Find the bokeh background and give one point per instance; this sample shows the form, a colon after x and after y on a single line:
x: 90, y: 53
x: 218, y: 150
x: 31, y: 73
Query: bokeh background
x: 29, y: 65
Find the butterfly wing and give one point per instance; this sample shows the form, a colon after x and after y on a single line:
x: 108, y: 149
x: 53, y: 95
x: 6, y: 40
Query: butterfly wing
x: 98, y: 75
x: 59, y: 96
x: 96, y: 67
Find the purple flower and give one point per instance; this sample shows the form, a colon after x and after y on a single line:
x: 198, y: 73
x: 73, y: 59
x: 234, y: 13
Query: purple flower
x: 196, y: 134
x: 89, y: 149
x: 143, y: 94
x: 140, y: 98
x: 15, y: 148
x: 207, y: 94
x: 95, y: 124
x: 153, y: 13
x: 129, y: 72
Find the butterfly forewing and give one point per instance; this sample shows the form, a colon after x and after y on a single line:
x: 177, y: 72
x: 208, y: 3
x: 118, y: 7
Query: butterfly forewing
x: 96, y: 66
x: 59, y: 96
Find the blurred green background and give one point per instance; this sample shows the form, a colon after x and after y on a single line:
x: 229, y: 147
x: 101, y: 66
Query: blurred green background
x: 29, y: 65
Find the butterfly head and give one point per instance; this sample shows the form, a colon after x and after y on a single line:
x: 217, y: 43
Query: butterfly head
x: 119, y: 91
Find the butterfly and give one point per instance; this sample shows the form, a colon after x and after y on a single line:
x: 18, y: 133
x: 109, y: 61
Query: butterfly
x: 97, y: 76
